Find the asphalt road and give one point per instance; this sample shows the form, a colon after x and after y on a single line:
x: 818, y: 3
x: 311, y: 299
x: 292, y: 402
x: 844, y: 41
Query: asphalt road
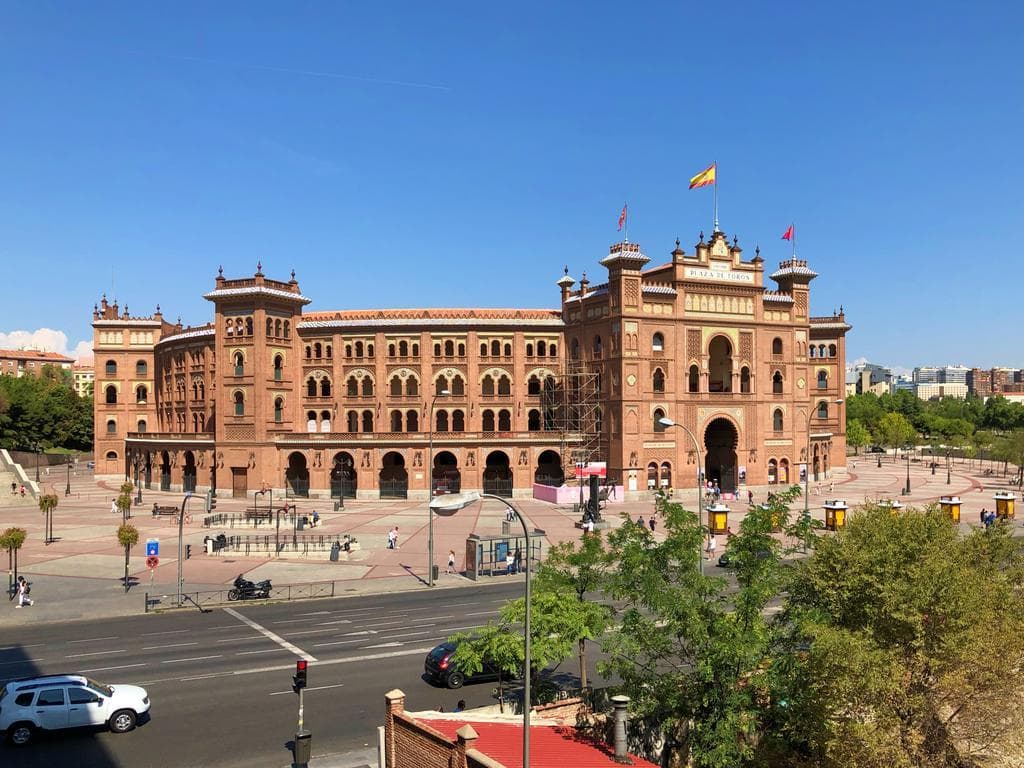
x: 220, y: 682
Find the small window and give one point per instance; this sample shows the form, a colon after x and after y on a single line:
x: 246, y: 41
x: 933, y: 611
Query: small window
x: 111, y: 426
x: 777, y: 383
x: 352, y: 387
x: 658, y: 343
x: 822, y: 380
x: 776, y: 346
x: 239, y: 364
x: 822, y: 410
x: 279, y: 410
x: 403, y: 348
x: 50, y: 697
x: 529, y: 350
x: 111, y: 368
x: 111, y: 455
x: 777, y: 420
x: 239, y: 404
x: 278, y: 369
x: 437, y: 349
x: 24, y: 699
x: 508, y: 350
x: 458, y: 386
x: 693, y: 379
x: 141, y: 368
x: 325, y: 387
x: 111, y: 395
x: 142, y: 425
x: 658, y: 416
x: 659, y: 380
x: 832, y: 350
x: 449, y: 349
x: 367, y: 387
x: 504, y: 386
x: 311, y: 387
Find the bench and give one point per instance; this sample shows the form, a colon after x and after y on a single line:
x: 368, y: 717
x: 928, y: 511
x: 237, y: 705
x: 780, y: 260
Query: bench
x: 159, y: 511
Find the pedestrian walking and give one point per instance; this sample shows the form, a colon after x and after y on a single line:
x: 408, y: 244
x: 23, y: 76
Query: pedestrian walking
x: 510, y: 563
x: 984, y: 514
x: 22, y: 490
x: 831, y: 486
x: 517, y: 559
x: 451, y: 562
x: 23, y: 591
x: 750, y: 498
x: 711, y: 546
x: 316, y: 518
x: 393, y: 538
x: 14, y: 489
x: 640, y: 520
x: 113, y: 506
x: 651, y: 522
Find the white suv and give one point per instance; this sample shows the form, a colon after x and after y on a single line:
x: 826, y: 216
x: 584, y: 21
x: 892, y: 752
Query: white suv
x: 53, y: 702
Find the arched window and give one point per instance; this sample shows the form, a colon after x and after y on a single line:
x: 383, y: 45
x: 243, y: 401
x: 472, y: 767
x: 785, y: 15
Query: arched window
x: 239, y: 364
x: 744, y: 379
x: 367, y: 386
x: 658, y: 380
x: 325, y: 387
x: 412, y: 386
x: 140, y: 393
x: 352, y: 386
x: 239, y: 404
x: 542, y: 348
x: 777, y: 420
x: 311, y: 421
x: 141, y: 368
x: 111, y: 395
x: 813, y: 351
x: 693, y: 379
x: 495, y: 348
x: 504, y: 421
x: 597, y: 346
x: 832, y: 350
x: 412, y: 421
x: 415, y: 349
x: 270, y: 326
x: 441, y: 421
x: 287, y: 329
x: 325, y: 421
x: 441, y: 385
x: 659, y: 414
x: 195, y: 422
x: 403, y: 348
x: 461, y: 350
x: 229, y: 327
x: 658, y: 343
x: 776, y: 346
x: 652, y: 475
x: 353, y: 421
x: 142, y: 425
x: 110, y: 368
x: 821, y: 350
x: 396, y: 421
x: 458, y: 421
x: 553, y: 350
x: 278, y: 367
x: 369, y: 350
x: 575, y: 349
x: 777, y: 383
x: 111, y: 455
x: 111, y: 426
x: 396, y: 386
x: 277, y: 328
x: 449, y: 348
x: 533, y: 386
x: 458, y: 386
x: 278, y: 410
x: 533, y: 420
x: 488, y: 420
x: 529, y: 349
x: 666, y: 474
x: 823, y: 409
x: 311, y: 387
x: 437, y: 349
x: 483, y: 349
x: 773, y: 471
x: 318, y: 350
x: 329, y: 351
x: 359, y: 349
x: 391, y: 350
x: 822, y: 380
x: 248, y: 326
x: 504, y: 386
x: 720, y: 365
x: 508, y: 350
x: 309, y: 352
x: 487, y: 386
x: 348, y: 351
x: 367, y: 421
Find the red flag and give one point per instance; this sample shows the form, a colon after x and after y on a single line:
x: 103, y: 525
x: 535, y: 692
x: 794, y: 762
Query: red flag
x: 622, y: 217
x: 788, y: 234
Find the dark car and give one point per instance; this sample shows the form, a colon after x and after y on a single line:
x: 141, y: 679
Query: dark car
x: 439, y: 669
x: 726, y: 560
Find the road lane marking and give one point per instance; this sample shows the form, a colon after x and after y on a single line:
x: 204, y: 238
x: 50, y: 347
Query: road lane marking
x: 385, y: 645
x: 94, y: 653
x: 193, y: 658
x: 314, y: 613
x: 482, y: 613
x: 171, y: 645
x: 93, y: 639
x: 20, y: 661
x: 238, y: 639
x: 263, y: 650
x: 336, y: 621
x: 197, y: 677
x: 166, y: 632
x: 307, y: 632
x: 108, y: 669
x: 290, y: 621
x: 318, y: 688
x: 405, y: 634
x: 339, y: 642
x: 267, y: 633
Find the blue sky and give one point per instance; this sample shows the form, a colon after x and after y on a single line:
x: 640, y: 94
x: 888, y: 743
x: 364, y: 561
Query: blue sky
x: 459, y: 154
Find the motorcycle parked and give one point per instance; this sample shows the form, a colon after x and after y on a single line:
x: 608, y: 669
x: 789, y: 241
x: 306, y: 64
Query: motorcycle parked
x: 247, y: 590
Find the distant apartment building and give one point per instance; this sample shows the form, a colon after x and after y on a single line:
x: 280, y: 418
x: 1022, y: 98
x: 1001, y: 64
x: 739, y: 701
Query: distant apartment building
x: 84, y: 377
x: 937, y: 390
x: 994, y: 381
x: 928, y: 374
x: 867, y: 377
x: 979, y: 382
x: 30, y: 362
x: 953, y: 374
x: 904, y: 384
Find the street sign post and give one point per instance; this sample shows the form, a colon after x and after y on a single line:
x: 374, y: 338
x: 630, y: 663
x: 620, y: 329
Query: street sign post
x: 152, y: 562
x: 152, y: 547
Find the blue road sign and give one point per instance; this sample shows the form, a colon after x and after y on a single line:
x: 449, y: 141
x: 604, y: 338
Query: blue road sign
x: 152, y: 547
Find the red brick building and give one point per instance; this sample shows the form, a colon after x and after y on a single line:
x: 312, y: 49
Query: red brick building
x: 349, y: 402
x: 30, y: 362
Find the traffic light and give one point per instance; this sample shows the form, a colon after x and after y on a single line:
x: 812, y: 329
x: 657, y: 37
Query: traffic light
x: 188, y: 551
x: 211, y: 501
x: 299, y: 681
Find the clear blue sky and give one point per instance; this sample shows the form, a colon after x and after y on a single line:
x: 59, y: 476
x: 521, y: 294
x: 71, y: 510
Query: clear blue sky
x: 435, y: 154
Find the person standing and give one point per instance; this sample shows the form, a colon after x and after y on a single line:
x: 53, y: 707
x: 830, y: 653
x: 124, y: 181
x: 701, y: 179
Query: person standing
x: 113, y: 506
x: 711, y: 546
x: 517, y: 559
x: 750, y: 497
x: 651, y: 522
x: 23, y: 592
x: 451, y: 561
x: 393, y: 538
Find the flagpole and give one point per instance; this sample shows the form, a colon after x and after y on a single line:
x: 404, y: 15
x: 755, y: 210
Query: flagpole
x: 794, y: 239
x: 625, y: 222
x: 715, y: 164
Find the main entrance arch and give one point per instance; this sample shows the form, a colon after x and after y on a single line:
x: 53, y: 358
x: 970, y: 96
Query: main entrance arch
x: 296, y: 477
x: 393, y: 478
x: 720, y: 441
x: 498, y: 475
x: 549, y: 469
x: 445, y: 475
x: 165, y: 471
x: 343, y: 476
x: 189, y: 473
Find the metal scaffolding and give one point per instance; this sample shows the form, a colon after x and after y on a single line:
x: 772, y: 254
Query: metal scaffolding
x: 572, y: 407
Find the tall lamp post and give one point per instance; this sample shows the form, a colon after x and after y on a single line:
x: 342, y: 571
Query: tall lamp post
x: 931, y: 459
x: 667, y: 422
x: 807, y: 470
x: 907, y: 490
x: 67, y: 490
x: 430, y: 489
x: 949, y: 471
x: 449, y: 505
x: 38, y: 449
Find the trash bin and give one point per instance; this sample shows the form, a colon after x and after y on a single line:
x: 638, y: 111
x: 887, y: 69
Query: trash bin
x: 335, y: 549
x: 437, y: 571
x: 210, y: 544
x: 303, y: 747
x: 300, y: 523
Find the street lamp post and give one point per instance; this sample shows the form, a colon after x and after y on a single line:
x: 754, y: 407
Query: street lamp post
x: 666, y: 422
x: 430, y: 489
x: 949, y: 471
x: 908, y: 475
x: 181, y: 534
x: 931, y: 459
x: 807, y: 472
x: 38, y: 447
x: 449, y: 505
x: 67, y: 490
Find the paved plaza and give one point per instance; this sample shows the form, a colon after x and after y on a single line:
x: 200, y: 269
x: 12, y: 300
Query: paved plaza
x: 80, y: 574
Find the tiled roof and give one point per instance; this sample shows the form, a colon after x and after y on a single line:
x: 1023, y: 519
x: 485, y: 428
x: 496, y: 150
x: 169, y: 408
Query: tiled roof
x: 781, y: 298
x: 256, y: 290
x: 430, y: 317
x: 830, y: 326
x: 192, y: 333
x: 551, y: 746
x: 785, y: 269
x: 593, y: 290
x: 34, y: 354
x: 144, y: 321
x: 667, y: 290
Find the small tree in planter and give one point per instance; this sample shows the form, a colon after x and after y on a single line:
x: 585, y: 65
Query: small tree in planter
x: 48, y: 503
x: 127, y: 537
x: 124, y: 501
x: 11, y: 540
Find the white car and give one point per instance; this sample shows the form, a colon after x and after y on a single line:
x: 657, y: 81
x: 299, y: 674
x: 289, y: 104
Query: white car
x: 54, y: 702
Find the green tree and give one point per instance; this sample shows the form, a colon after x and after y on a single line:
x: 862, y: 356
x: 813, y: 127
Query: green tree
x: 895, y: 430
x: 48, y: 503
x: 903, y: 643
x: 127, y: 537
x: 12, y: 539
x: 124, y: 500
x: 496, y: 644
x: 1010, y: 449
x: 865, y: 408
x: 857, y: 435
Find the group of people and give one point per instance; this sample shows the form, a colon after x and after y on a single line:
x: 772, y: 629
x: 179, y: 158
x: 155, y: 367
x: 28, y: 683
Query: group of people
x: 23, y: 593
x: 651, y: 522
x: 988, y: 518
x: 14, y: 489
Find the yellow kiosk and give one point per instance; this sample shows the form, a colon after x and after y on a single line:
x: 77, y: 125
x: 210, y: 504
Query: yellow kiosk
x: 1004, y: 504
x: 718, y: 518
x: 893, y: 505
x: 951, y: 506
x: 835, y: 514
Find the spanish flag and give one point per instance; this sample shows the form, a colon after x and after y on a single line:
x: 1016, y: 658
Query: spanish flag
x: 704, y: 178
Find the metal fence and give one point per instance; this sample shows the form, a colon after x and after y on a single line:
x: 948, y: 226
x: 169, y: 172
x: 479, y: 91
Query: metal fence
x: 394, y: 489
x: 252, y: 519
x: 219, y: 597
x: 285, y: 542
